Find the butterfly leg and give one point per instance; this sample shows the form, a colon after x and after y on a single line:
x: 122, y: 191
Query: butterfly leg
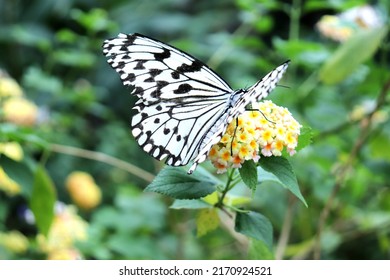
x: 234, y: 135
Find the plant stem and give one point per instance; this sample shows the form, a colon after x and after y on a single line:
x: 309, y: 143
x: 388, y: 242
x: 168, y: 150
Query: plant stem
x: 286, y: 228
x: 295, y: 15
x: 98, y: 156
x: 229, y: 185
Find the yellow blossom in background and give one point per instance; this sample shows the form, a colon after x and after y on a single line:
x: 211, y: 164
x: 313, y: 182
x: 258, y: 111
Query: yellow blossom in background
x: 9, y: 186
x: 83, y: 190
x: 267, y: 131
x: 65, y: 254
x: 362, y: 110
x: 342, y: 26
x: 12, y: 150
x: 14, y: 241
x: 14, y: 107
x: 20, y: 111
x: 9, y: 87
x: 67, y: 229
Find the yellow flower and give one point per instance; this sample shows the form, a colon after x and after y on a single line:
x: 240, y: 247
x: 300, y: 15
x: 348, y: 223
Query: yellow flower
x: 67, y: 229
x: 9, y: 87
x: 245, y: 152
x: 64, y: 254
x: 83, y: 190
x: 265, y: 130
x: 8, y: 185
x: 277, y: 148
x: 12, y: 150
x: 14, y: 241
x: 226, y: 138
x: 225, y: 155
x: 266, y: 137
x: 343, y: 26
x: 21, y: 111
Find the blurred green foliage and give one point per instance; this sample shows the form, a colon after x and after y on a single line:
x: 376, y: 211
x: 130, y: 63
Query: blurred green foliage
x: 53, y: 50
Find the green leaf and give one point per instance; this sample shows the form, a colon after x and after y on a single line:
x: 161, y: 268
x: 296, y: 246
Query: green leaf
x: 351, y: 54
x: 11, y: 132
x: 175, y: 182
x: 206, y: 221
x: 282, y: 173
x: 19, y: 172
x: 305, y: 138
x: 74, y: 57
x: 189, y: 204
x: 248, y: 173
x: 42, y: 200
x: 255, y: 225
x: 259, y: 251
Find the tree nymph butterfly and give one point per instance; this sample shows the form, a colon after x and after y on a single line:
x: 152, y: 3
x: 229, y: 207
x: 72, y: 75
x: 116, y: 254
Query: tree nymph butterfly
x: 183, y: 106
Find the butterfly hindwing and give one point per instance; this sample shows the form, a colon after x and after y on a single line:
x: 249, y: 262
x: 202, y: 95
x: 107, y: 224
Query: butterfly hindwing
x: 238, y: 101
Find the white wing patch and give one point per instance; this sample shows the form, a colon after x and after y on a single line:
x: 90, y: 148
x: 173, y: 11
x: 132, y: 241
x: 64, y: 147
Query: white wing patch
x: 184, y: 107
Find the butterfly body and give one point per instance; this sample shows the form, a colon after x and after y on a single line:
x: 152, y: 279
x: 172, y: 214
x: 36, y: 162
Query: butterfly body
x: 183, y: 106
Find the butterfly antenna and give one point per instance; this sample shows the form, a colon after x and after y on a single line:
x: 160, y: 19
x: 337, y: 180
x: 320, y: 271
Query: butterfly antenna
x: 283, y: 86
x: 265, y: 117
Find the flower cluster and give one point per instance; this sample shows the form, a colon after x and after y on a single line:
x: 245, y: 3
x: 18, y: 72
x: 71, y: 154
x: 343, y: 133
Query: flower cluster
x: 83, y: 190
x: 14, y: 151
x: 264, y: 130
x: 67, y: 229
x: 343, y: 26
x: 14, y: 106
x: 14, y: 241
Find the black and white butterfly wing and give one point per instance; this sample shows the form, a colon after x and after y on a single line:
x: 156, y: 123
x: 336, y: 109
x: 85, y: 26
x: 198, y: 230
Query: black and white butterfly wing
x: 238, y: 101
x: 184, y: 107
x: 180, y: 98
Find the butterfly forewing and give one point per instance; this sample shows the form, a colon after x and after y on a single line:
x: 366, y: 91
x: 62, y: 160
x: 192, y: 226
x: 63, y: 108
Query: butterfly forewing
x: 184, y: 107
x: 180, y: 98
x: 141, y: 60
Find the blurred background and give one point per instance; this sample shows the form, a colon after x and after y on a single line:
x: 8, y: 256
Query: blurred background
x: 65, y: 127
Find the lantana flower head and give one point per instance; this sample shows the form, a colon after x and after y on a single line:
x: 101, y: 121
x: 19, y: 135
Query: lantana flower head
x: 343, y: 26
x: 265, y: 130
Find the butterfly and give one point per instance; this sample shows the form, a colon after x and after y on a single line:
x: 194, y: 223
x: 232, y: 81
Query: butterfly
x: 183, y: 106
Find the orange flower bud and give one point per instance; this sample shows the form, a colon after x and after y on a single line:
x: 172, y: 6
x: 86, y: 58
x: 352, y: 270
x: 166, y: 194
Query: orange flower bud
x: 21, y: 111
x: 83, y: 190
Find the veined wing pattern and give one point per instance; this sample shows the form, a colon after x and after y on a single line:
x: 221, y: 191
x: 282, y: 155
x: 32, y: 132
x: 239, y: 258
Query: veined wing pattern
x: 183, y: 106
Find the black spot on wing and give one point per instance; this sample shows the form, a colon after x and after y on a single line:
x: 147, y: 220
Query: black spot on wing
x: 161, y: 56
x: 120, y: 64
x: 138, y: 90
x: 183, y: 88
x: 140, y: 65
x: 175, y: 75
x: 161, y: 84
x: 194, y: 67
x: 149, y: 80
x: 123, y: 48
x: 130, y: 39
x: 155, y: 72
